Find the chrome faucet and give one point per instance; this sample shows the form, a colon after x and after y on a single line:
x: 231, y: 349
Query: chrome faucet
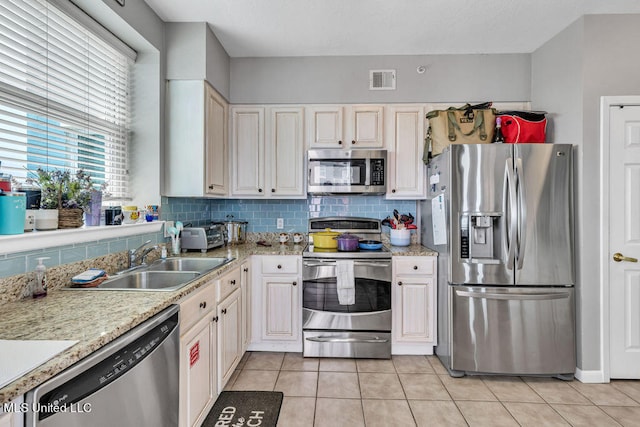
x: 139, y: 254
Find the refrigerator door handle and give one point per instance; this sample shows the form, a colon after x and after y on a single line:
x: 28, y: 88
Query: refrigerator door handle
x: 522, y: 213
x: 514, y: 296
x: 511, y: 214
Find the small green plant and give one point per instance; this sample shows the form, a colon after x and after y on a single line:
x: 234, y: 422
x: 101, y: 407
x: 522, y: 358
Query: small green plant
x: 61, y: 189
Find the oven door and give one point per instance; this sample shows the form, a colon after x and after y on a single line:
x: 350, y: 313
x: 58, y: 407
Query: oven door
x: 322, y: 310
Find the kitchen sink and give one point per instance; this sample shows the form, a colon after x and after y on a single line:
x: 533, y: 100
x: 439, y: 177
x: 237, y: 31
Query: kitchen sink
x: 149, y: 281
x: 201, y: 265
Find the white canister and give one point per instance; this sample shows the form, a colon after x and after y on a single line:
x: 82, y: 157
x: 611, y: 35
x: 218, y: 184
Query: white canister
x: 400, y: 237
x: 47, y: 219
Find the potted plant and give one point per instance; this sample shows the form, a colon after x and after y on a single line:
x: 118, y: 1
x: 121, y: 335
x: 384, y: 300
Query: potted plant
x: 69, y: 194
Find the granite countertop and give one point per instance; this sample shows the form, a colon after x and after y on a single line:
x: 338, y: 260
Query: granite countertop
x: 95, y: 318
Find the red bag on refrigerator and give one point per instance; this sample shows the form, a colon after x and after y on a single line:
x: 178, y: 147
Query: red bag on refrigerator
x: 523, y: 126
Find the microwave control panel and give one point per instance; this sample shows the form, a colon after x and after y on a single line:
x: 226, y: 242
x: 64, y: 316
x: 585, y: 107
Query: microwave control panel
x: 377, y: 172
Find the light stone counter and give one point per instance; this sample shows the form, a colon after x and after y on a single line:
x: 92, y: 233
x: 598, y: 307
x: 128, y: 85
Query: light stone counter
x: 95, y: 318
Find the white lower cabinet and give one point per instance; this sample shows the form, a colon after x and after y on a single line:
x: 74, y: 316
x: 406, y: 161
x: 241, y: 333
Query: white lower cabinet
x: 229, y: 326
x: 245, y: 288
x: 413, y: 293
x: 15, y: 418
x: 277, y: 312
x: 198, y: 383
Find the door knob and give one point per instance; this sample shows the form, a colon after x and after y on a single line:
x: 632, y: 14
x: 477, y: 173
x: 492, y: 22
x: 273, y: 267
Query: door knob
x: 617, y: 257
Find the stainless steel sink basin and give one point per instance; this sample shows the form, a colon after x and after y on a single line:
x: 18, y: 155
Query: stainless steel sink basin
x: 201, y: 265
x: 149, y: 281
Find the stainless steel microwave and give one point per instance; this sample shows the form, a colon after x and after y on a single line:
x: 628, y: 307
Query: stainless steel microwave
x: 347, y: 172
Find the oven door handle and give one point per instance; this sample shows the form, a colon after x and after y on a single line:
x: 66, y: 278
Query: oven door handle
x: 356, y: 263
x: 373, y: 340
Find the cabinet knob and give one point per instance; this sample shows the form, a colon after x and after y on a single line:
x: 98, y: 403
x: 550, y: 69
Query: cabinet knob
x: 233, y: 282
x: 245, y: 270
x: 273, y: 190
x: 279, y: 267
x: 210, y: 186
x: 295, y: 283
x: 203, y: 304
x: 339, y: 142
x: 215, y: 319
x: 223, y: 311
x: 353, y: 141
x: 259, y: 190
x: 415, y: 267
x: 393, y: 191
x: 399, y: 283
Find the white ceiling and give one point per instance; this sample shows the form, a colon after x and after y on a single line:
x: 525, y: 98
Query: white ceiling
x: 254, y: 28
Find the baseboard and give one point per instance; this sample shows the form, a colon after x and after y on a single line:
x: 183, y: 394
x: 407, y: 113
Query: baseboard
x: 288, y: 347
x: 591, y: 377
x: 411, y: 349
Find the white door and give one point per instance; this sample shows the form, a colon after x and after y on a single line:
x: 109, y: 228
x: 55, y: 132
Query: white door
x: 624, y: 239
x: 286, y: 152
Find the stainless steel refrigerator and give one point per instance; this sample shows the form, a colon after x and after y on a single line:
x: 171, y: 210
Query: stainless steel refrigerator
x: 501, y: 218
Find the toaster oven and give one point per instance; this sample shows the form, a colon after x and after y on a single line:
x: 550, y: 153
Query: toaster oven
x: 203, y: 238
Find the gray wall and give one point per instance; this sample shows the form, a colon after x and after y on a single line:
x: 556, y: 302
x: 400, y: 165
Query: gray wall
x: 194, y: 53
x: 594, y: 57
x: 345, y: 79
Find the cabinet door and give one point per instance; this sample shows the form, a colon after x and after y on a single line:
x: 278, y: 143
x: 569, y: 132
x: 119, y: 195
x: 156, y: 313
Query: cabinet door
x: 405, y: 131
x: 229, y: 336
x: 245, y: 287
x: 413, y: 309
x: 247, y: 157
x: 366, y: 126
x: 198, y: 385
x: 280, y: 308
x: 216, y: 122
x: 286, y: 152
x: 324, y: 124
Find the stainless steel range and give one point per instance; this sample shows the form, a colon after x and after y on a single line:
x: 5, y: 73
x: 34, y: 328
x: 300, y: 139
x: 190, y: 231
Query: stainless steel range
x: 346, y: 296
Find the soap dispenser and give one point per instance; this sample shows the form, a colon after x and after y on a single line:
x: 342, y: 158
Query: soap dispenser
x: 40, y: 285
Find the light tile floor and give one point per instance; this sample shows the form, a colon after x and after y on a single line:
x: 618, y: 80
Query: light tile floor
x: 417, y: 391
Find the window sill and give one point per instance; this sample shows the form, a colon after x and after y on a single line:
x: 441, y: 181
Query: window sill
x: 46, y: 239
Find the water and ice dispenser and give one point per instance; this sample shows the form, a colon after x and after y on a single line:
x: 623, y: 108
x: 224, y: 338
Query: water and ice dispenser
x: 477, y: 237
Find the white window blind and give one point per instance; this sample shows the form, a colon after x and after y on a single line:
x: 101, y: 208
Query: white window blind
x: 64, y: 97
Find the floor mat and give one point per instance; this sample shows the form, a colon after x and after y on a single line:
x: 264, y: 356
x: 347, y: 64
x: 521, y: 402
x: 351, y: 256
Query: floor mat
x: 243, y: 408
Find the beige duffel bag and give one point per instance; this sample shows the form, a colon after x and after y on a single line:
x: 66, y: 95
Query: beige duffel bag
x: 469, y: 124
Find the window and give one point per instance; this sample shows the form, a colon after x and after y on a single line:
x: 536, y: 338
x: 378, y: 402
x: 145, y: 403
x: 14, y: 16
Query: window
x: 64, y: 95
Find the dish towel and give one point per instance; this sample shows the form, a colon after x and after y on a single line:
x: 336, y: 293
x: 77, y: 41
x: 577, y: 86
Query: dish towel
x: 345, y: 282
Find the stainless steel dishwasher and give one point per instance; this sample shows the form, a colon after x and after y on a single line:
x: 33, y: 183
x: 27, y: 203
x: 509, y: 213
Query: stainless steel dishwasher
x: 132, y: 381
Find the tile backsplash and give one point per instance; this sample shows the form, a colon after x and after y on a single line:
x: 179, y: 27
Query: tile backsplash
x: 262, y: 214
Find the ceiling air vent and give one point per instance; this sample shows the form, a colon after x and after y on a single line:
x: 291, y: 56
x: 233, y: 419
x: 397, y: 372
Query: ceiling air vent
x: 382, y: 79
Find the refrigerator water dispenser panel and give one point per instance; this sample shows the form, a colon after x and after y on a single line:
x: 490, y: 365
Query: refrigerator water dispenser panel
x: 477, y: 238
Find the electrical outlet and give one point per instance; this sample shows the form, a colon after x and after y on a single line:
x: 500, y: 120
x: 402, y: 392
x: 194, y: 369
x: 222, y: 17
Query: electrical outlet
x: 167, y: 224
x: 280, y: 223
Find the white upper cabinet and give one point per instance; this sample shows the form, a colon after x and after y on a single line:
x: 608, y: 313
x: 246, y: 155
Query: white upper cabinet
x: 324, y: 126
x: 405, y: 133
x: 196, y: 145
x: 267, y: 155
x: 247, y: 151
x: 363, y: 127
x: 285, y: 151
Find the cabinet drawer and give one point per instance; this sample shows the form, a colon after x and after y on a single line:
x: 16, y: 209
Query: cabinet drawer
x: 414, y: 265
x: 228, y: 283
x: 280, y: 265
x: 195, y: 306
